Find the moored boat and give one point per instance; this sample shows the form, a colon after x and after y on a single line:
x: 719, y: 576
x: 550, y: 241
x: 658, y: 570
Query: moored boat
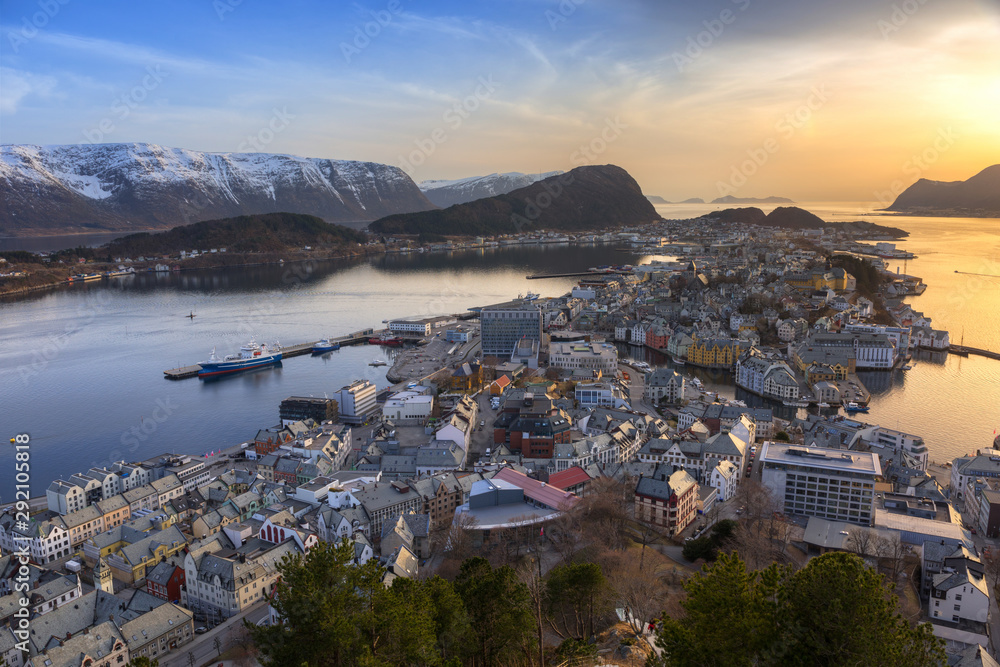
x: 250, y: 355
x: 325, y: 346
x: 855, y: 407
x: 391, y: 342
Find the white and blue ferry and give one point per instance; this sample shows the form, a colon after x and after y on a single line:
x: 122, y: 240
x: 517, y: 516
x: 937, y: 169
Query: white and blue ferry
x: 251, y: 355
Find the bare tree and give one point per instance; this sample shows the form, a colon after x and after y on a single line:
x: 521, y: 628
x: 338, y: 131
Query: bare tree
x: 457, y: 544
x: 530, y: 573
x: 604, y: 513
x: 217, y: 643
x: 640, y: 595
x: 862, y: 542
x: 645, y: 534
x: 761, y: 537
x: 891, y: 553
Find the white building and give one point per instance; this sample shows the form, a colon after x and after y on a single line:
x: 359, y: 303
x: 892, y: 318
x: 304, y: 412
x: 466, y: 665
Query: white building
x: 724, y: 478
x: 960, y: 594
x: 600, y: 394
x: 45, y: 541
x: 408, y: 327
x: 772, y: 378
x: 601, y: 357
x: 929, y: 338
x: 832, y: 484
x: 411, y: 406
x: 64, y: 497
x: 697, y: 457
x: 357, y: 401
x: 664, y: 384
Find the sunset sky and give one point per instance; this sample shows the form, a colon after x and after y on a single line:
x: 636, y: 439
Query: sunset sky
x: 814, y: 100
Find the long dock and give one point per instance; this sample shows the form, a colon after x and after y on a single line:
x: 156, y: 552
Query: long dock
x: 539, y: 276
x: 287, y: 351
x: 964, y: 351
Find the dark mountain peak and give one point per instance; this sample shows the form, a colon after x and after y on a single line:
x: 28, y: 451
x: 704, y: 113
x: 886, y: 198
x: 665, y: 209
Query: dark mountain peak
x: 591, y: 197
x: 793, y: 217
x: 978, y: 196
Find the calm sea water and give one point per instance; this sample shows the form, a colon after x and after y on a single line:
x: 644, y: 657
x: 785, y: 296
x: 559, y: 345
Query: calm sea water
x: 81, y: 366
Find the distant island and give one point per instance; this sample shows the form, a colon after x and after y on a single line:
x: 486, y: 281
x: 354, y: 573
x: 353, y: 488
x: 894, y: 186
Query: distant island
x: 656, y: 199
x: 793, y: 217
x: 586, y: 198
x: 730, y: 199
x: 977, y: 197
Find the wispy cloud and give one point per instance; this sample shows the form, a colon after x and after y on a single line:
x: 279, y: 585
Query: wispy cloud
x: 18, y: 85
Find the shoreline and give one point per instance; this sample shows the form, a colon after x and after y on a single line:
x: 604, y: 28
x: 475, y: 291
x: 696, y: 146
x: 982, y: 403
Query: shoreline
x: 62, y: 282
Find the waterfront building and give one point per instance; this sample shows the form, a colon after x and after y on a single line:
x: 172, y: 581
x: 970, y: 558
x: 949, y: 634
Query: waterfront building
x: 713, y: 352
x: 771, y: 378
x: 503, y: 325
x: 410, y: 327
x: 300, y: 408
x: 831, y: 484
x: 357, y: 401
x: 664, y: 384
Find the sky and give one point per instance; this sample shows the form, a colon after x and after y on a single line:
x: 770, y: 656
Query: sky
x: 810, y: 99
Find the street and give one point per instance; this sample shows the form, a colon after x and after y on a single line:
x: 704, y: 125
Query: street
x: 203, y: 646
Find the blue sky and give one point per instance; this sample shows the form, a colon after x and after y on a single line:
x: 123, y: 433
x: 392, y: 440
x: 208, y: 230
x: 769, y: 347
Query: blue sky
x: 809, y: 99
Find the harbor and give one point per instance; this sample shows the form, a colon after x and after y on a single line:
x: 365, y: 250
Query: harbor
x: 286, y: 351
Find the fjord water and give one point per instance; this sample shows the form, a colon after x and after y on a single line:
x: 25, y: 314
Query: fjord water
x: 81, y: 366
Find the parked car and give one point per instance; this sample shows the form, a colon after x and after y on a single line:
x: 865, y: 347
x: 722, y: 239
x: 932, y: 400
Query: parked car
x: 200, y: 630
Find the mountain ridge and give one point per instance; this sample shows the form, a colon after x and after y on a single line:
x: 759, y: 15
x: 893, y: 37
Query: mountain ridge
x: 138, y: 186
x: 445, y: 193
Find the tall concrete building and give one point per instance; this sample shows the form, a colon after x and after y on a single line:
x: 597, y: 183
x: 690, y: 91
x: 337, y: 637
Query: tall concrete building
x: 504, y: 324
x: 833, y: 484
x: 357, y: 401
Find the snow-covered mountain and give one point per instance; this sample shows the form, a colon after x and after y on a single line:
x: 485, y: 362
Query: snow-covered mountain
x: 95, y: 187
x: 447, y: 193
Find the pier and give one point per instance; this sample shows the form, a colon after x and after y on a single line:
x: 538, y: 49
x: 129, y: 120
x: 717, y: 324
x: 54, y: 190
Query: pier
x: 964, y: 351
x: 287, y: 351
x: 539, y: 276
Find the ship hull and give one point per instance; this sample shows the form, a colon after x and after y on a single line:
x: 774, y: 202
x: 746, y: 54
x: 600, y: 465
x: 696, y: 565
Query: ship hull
x: 229, y: 367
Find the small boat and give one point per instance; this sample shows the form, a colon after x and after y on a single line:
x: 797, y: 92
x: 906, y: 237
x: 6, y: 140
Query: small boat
x: 822, y: 405
x: 250, y: 355
x: 378, y: 362
x: 84, y: 277
x: 122, y: 271
x: 907, y: 367
x: 325, y: 346
x: 191, y: 316
x: 796, y: 404
x: 855, y: 407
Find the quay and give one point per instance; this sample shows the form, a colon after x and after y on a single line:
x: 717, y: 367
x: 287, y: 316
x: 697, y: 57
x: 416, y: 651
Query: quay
x: 539, y: 276
x: 964, y: 351
x: 287, y: 351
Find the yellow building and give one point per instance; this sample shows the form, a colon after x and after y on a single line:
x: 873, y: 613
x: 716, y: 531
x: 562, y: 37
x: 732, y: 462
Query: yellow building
x: 836, y: 279
x: 713, y: 352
